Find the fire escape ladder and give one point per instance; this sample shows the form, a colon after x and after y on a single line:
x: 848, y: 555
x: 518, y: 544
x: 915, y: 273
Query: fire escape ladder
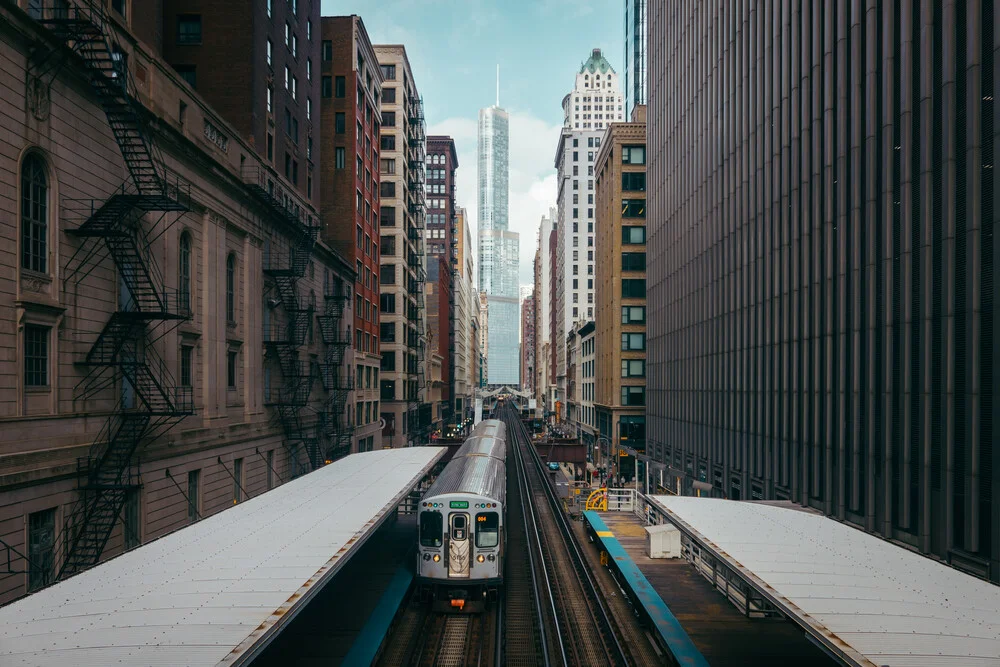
x: 149, y: 397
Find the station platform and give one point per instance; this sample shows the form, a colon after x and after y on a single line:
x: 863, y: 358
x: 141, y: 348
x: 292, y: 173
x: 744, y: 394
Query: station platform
x: 220, y: 591
x: 696, y: 623
x: 863, y: 599
x: 347, y: 622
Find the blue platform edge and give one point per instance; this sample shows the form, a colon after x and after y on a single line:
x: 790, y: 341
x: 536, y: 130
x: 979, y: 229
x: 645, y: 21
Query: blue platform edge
x: 669, y: 629
x: 366, y: 646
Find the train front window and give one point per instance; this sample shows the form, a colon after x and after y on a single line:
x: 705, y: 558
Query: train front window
x: 487, y: 530
x: 430, y: 529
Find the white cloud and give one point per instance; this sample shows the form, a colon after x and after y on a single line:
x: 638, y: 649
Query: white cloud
x: 533, y: 186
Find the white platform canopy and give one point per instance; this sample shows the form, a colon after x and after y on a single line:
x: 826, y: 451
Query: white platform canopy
x: 217, y: 592
x: 868, y: 601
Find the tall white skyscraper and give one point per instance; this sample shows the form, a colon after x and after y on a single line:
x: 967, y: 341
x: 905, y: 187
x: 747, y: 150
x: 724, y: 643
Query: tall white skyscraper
x: 499, y: 249
x: 594, y: 103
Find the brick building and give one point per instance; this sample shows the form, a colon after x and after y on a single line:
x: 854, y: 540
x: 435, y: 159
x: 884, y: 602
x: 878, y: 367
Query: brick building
x: 528, y: 344
x: 159, y: 299
x: 620, y: 290
x: 268, y: 88
x: 350, y: 117
x: 442, y: 241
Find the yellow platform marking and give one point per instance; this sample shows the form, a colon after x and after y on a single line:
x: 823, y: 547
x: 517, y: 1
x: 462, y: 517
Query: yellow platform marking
x: 605, y: 533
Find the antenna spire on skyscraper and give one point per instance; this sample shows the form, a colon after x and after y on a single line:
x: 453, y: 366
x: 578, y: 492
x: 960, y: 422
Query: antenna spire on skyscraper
x: 498, y: 84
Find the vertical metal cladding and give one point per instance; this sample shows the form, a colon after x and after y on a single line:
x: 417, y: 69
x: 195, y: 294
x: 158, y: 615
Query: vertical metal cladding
x: 821, y: 277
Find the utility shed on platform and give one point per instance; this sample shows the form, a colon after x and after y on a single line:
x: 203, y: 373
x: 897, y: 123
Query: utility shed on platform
x: 866, y: 601
x: 219, y: 591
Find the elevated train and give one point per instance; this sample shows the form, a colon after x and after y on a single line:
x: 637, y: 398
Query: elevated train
x: 461, y: 520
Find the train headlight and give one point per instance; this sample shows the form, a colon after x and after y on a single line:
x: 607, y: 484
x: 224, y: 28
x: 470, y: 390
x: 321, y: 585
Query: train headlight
x: 480, y: 558
x: 491, y: 557
x: 427, y: 556
x: 437, y: 557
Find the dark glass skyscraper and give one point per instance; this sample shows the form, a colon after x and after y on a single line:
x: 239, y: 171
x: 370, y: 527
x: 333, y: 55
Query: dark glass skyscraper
x: 822, y: 320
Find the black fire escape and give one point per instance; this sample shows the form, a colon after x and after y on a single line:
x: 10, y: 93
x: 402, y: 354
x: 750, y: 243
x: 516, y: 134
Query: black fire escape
x: 283, y: 336
x: 419, y: 407
x: 336, y: 378
x: 122, y: 360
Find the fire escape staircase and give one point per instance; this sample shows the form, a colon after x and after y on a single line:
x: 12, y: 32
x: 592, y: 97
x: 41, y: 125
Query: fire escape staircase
x: 336, y: 378
x: 283, y: 339
x: 122, y: 355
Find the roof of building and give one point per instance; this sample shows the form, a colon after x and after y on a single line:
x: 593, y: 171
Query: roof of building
x: 596, y: 63
x: 219, y: 591
x: 866, y: 600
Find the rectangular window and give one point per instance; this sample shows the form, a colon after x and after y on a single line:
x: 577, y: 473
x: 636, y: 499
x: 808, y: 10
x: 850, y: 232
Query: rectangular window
x: 340, y: 87
x: 388, y: 142
x: 387, y: 214
x: 388, y: 166
x: 634, y: 396
x: 268, y: 49
x: 131, y: 527
x: 633, y: 261
x: 633, y: 368
x: 41, y: 548
x: 189, y: 73
x: 388, y: 119
x: 633, y: 208
x: 187, y: 376
x: 387, y: 274
x: 36, y: 355
x: 194, y: 509
x: 633, y: 342
x: 270, y: 148
x: 633, y: 235
x: 633, y: 155
x: 189, y: 29
x: 340, y: 122
x: 326, y: 87
x: 387, y: 303
x: 389, y: 95
x: 633, y: 314
x: 231, y: 360
x: 387, y: 333
x: 387, y: 245
x: 633, y: 288
x: 634, y: 181
x: 341, y: 157
x: 237, y: 480
x: 388, y: 72
x: 270, y: 469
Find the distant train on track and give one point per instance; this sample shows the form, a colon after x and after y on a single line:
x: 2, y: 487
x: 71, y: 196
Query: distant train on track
x: 461, y: 519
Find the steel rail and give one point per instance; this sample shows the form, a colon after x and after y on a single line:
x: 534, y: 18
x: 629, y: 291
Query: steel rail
x: 602, y: 618
x: 527, y: 508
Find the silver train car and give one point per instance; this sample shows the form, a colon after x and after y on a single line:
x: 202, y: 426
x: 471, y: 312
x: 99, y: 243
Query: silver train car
x: 461, y: 524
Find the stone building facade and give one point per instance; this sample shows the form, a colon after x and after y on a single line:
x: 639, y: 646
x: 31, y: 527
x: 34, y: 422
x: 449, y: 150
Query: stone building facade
x: 405, y: 353
x: 163, y: 291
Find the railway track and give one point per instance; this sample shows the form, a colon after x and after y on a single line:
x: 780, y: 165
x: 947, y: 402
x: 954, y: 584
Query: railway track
x: 423, y: 638
x: 576, y: 627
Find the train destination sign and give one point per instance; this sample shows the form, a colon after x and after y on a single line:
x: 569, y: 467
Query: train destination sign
x: 459, y: 504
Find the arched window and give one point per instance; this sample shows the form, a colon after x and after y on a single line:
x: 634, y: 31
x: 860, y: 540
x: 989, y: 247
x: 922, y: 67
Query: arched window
x: 34, y: 214
x: 184, y: 273
x: 231, y: 288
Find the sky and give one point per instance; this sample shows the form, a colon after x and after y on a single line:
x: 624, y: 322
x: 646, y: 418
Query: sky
x: 454, y: 47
